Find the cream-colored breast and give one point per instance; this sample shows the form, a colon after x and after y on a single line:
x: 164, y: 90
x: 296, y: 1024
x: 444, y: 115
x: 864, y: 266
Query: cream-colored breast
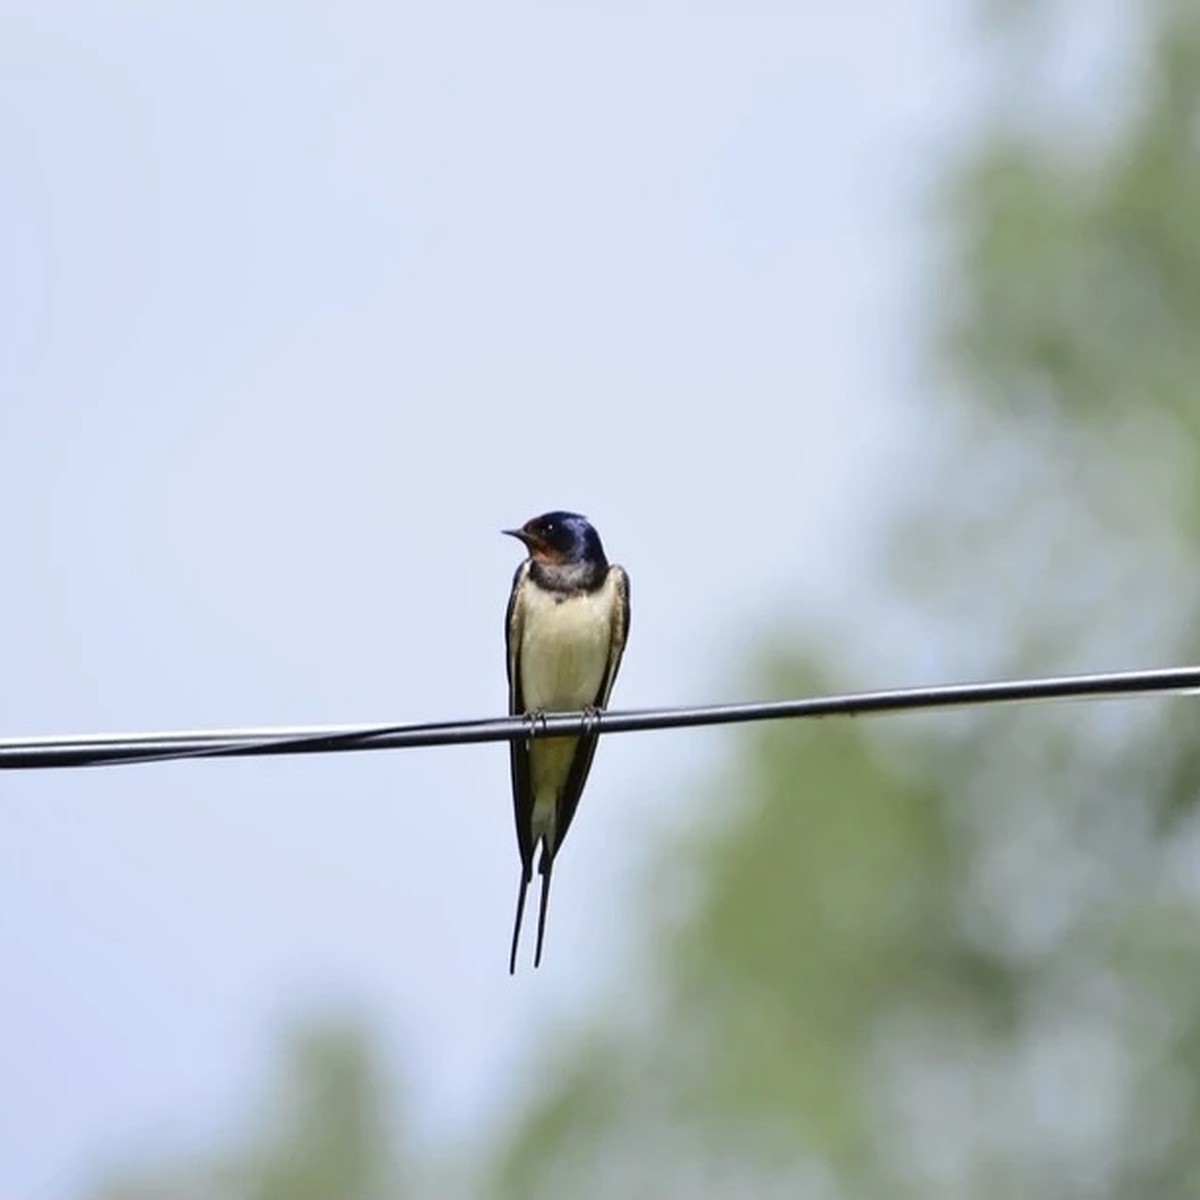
x: 565, y: 647
x: 564, y: 654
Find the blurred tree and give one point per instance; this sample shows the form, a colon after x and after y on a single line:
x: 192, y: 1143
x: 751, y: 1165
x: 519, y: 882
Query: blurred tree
x: 324, y: 1129
x: 960, y: 956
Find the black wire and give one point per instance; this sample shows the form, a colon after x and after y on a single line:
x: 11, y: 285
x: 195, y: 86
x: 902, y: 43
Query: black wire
x: 102, y: 750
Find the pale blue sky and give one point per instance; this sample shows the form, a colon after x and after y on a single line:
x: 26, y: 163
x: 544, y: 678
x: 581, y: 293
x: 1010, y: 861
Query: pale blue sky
x: 299, y: 305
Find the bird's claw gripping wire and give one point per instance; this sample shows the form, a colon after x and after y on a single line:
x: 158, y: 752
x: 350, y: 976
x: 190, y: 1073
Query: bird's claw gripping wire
x: 532, y: 718
x: 591, y: 719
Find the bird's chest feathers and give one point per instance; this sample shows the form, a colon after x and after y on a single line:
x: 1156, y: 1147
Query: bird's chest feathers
x: 564, y: 648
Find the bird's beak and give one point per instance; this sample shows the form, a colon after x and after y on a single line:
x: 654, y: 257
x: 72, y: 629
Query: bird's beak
x: 519, y: 534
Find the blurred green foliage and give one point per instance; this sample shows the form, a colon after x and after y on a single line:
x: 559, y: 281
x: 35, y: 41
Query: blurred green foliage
x: 323, y: 1128
x: 952, y: 957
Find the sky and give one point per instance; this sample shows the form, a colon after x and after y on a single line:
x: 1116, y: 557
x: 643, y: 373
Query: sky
x: 300, y: 305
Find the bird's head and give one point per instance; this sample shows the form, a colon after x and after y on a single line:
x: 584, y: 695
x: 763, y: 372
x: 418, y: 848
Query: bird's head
x: 559, y: 539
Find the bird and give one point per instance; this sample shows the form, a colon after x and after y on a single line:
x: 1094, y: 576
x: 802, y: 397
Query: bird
x: 565, y: 633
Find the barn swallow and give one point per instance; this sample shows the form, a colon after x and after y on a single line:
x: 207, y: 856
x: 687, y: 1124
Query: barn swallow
x: 568, y: 618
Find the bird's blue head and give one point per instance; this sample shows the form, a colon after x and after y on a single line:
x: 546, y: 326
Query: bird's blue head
x: 562, y: 539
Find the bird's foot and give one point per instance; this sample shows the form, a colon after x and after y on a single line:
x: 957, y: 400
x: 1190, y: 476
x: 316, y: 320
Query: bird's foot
x: 533, y: 718
x: 591, y: 718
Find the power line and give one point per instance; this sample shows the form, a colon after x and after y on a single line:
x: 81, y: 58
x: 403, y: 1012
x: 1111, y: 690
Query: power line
x: 89, y: 750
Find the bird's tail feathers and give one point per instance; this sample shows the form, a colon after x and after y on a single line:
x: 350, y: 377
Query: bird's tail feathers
x: 544, y: 868
x: 526, y: 875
